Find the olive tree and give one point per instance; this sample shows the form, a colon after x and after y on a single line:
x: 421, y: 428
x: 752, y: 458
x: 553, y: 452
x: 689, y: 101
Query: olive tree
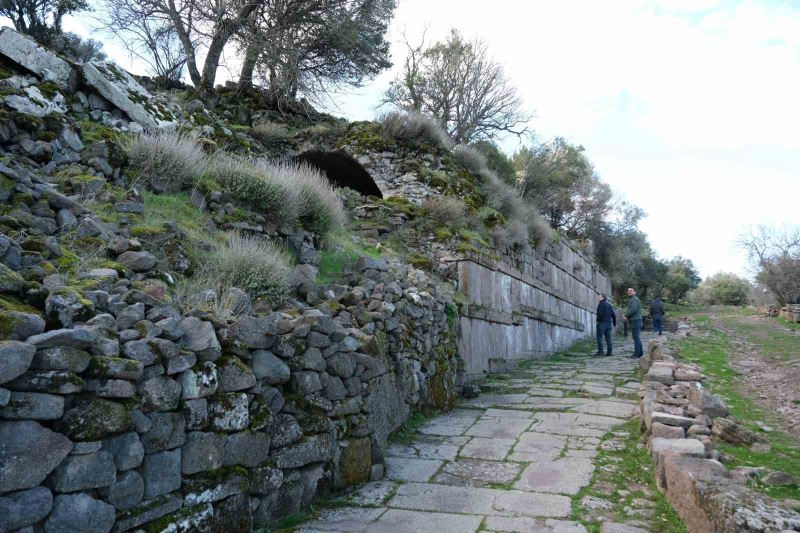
x: 459, y: 83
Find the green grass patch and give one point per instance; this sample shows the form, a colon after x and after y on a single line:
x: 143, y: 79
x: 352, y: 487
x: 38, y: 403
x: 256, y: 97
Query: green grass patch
x: 710, y: 351
x: 405, y: 434
x: 341, y: 253
x: 629, y: 470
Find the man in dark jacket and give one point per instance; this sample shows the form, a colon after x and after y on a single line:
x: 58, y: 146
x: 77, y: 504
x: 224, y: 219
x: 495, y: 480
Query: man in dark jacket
x: 633, y: 315
x: 657, y: 313
x: 605, y: 319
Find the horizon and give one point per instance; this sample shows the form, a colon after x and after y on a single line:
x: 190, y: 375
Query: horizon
x: 659, y: 121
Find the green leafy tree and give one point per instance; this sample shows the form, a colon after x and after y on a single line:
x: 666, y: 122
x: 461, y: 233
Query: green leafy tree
x: 560, y: 181
x: 723, y: 289
x: 681, y: 277
x: 497, y: 161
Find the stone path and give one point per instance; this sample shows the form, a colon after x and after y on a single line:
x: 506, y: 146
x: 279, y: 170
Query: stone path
x: 510, y: 460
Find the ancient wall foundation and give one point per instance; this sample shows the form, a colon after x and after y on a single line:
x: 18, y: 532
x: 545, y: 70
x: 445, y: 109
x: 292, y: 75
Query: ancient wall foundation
x: 525, y: 304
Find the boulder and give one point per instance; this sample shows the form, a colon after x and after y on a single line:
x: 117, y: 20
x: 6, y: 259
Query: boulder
x: 138, y: 261
x: 79, y: 512
x: 228, y: 412
x: 26, y: 52
x: 71, y: 338
x: 199, y: 337
x: 18, y: 326
x: 82, y: 472
x: 122, y: 90
x: 731, y: 431
x: 269, y: 368
x: 709, y: 404
x: 93, y: 419
x: 24, y: 508
x: 159, y: 393
x: 202, y: 452
x: 15, y: 359
x: 162, y: 473
x: 127, y: 492
x: 28, y: 453
x: 254, y: 332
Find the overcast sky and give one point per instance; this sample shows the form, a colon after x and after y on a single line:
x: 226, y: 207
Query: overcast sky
x: 688, y: 108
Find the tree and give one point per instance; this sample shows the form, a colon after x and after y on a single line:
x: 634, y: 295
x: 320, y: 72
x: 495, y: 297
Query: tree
x: 152, y: 39
x: 723, y: 289
x: 459, y: 83
x: 41, y: 19
x: 559, y: 179
x: 681, y: 277
x: 311, y: 47
x: 775, y: 254
x: 200, y: 26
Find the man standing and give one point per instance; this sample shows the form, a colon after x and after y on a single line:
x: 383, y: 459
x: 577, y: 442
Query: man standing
x: 657, y: 312
x: 633, y: 315
x: 605, y: 318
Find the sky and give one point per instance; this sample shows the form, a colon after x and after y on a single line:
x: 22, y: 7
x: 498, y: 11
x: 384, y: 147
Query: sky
x: 687, y: 108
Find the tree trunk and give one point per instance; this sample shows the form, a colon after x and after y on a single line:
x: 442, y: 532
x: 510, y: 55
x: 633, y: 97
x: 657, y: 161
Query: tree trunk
x: 186, y: 43
x: 222, y: 34
x: 248, y: 65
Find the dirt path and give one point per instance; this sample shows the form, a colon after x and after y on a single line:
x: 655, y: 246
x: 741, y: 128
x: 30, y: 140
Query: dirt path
x: 767, y: 354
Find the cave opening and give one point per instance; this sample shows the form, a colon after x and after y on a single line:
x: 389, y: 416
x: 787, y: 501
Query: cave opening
x: 342, y: 170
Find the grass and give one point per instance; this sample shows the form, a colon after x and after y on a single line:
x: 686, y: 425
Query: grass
x: 340, y: 254
x: 631, y: 470
x: 710, y: 351
x: 408, y: 431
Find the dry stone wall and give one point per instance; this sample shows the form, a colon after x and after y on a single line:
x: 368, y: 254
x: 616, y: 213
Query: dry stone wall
x: 135, y: 415
x: 525, y: 304
x: 680, y: 416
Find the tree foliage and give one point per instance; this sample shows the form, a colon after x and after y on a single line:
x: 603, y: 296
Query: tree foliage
x: 41, y: 19
x: 458, y: 82
x: 723, y: 289
x: 775, y: 254
x: 560, y: 180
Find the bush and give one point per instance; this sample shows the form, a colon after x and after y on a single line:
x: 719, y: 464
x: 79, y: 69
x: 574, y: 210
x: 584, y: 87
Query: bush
x: 446, y: 210
x: 722, y: 289
x: 78, y: 49
x: 269, y: 132
x: 271, y: 193
x: 414, y: 127
x: 471, y: 159
x: 504, y: 198
x: 166, y: 161
x: 318, y: 206
x: 253, y: 264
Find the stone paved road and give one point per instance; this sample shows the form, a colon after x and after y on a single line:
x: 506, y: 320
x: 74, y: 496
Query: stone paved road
x: 507, y: 461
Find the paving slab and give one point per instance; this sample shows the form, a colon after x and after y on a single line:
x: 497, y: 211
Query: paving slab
x: 406, y: 469
x: 524, y: 524
x: 477, y: 473
x: 505, y: 428
x: 564, y: 476
x: 404, y: 521
x: 484, y: 448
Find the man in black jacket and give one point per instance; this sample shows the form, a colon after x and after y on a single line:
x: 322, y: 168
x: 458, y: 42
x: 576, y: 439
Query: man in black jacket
x: 657, y: 313
x: 606, y: 318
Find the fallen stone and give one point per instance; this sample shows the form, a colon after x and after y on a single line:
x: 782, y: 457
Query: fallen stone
x: 25, y: 51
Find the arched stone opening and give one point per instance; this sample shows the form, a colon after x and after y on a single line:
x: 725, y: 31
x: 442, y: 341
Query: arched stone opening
x: 342, y: 170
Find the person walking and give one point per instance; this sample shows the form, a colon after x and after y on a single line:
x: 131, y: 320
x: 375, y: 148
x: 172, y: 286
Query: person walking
x: 606, y: 318
x: 657, y: 312
x: 633, y: 316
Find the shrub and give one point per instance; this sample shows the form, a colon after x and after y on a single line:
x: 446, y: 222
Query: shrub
x: 166, y: 161
x: 471, y: 159
x: 272, y: 193
x: 269, y: 132
x: 319, y: 207
x: 414, y: 127
x: 253, y: 264
x: 504, y: 198
x: 446, y: 210
x: 722, y: 289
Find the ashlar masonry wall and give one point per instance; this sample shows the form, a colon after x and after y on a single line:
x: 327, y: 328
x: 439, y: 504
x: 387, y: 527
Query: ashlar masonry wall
x: 525, y: 305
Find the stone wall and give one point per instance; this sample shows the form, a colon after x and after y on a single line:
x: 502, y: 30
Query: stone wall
x: 680, y: 416
x: 525, y: 304
x: 143, y: 416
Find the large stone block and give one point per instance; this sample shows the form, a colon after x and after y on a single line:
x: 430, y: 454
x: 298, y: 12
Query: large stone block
x: 248, y: 448
x: 28, y: 453
x: 167, y: 432
x: 79, y: 512
x: 709, y: 404
x: 48, y: 66
x: 162, y: 473
x: 202, y: 452
x: 95, y: 419
x: 24, y: 508
x: 82, y: 472
x: 15, y: 356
